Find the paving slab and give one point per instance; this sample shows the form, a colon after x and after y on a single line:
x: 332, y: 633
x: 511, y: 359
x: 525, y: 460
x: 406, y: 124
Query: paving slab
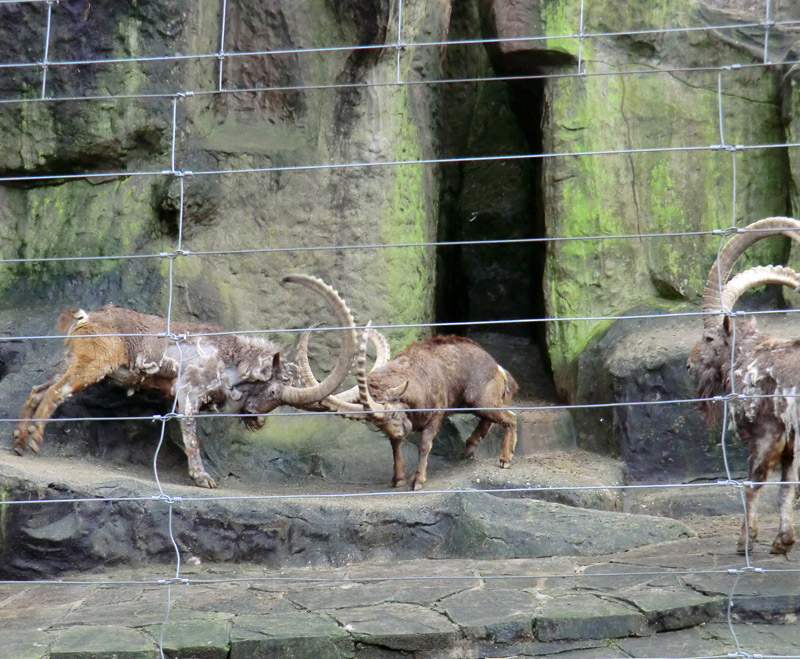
x: 103, y: 642
x: 298, y: 634
x: 587, y: 617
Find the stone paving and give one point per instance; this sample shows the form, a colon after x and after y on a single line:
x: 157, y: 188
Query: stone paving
x: 664, y: 600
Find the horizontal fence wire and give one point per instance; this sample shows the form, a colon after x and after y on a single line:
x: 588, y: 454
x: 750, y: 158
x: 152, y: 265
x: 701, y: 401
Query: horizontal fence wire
x: 400, y: 46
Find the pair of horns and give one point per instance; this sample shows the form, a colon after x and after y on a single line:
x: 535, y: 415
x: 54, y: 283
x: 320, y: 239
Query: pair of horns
x: 357, y: 399
x: 720, y: 294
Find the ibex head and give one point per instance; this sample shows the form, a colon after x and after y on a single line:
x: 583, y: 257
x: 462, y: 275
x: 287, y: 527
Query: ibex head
x: 711, y: 358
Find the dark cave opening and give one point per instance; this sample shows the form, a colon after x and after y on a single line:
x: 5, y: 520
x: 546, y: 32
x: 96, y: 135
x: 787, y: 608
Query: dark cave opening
x: 495, y: 202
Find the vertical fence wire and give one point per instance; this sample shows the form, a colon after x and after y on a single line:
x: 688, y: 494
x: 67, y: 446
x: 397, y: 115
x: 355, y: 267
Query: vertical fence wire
x: 221, y: 54
x: 399, y: 46
x: 46, y: 55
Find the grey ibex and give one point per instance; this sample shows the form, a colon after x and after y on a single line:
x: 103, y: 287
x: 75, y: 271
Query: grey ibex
x: 422, y: 385
x: 734, y: 357
x: 198, y: 366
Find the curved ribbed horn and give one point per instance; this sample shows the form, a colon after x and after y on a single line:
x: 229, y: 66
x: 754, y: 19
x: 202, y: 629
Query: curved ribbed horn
x: 733, y: 249
x: 361, y: 376
x: 382, y: 355
x: 756, y: 276
x: 297, y: 396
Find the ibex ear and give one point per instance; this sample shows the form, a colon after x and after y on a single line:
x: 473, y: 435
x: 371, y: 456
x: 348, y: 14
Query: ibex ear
x: 727, y: 324
x: 395, y: 392
x: 276, y: 364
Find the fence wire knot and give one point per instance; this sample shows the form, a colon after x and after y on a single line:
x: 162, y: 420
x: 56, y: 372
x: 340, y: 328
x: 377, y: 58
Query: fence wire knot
x: 173, y: 580
x: 727, y: 231
x: 165, y: 417
x: 172, y: 336
x: 163, y: 496
x: 174, y: 254
x: 745, y: 570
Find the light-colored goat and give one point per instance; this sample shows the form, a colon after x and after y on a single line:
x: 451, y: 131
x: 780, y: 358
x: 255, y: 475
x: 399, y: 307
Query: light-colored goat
x: 196, y: 364
x: 764, y: 372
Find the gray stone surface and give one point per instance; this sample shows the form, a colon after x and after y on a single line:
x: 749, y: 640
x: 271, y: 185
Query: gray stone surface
x: 574, y: 618
x: 200, y: 638
x: 576, y: 607
x: 329, y: 524
x: 502, y: 614
x: 90, y: 642
x: 298, y: 634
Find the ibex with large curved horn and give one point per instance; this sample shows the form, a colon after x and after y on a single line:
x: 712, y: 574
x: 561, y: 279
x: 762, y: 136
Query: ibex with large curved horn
x: 764, y: 372
x: 203, y: 368
x: 422, y: 385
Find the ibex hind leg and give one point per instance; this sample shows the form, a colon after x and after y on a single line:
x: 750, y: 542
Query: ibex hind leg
x: 508, y: 420
x: 786, y: 495
x: 510, y: 440
x: 23, y: 426
x: 477, y: 435
x: 78, y: 375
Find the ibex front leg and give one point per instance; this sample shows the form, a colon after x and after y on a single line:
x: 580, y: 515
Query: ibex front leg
x: 399, y: 478
x: 425, y: 443
x: 191, y: 445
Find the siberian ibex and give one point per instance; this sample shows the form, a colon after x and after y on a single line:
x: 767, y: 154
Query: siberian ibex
x: 422, y: 385
x: 200, y: 367
x: 764, y: 372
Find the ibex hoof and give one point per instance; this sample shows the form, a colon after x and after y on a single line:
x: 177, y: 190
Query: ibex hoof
x: 781, y: 545
x: 204, y: 480
x: 399, y: 483
x: 505, y: 464
x: 417, y: 485
x: 19, y: 449
x: 33, y: 444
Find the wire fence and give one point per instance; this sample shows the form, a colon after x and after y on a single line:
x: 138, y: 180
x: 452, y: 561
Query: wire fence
x: 219, y: 86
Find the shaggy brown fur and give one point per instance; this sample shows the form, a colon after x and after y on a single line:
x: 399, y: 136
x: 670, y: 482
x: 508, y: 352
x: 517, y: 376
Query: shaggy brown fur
x: 766, y: 374
x: 226, y: 372
x: 427, y: 382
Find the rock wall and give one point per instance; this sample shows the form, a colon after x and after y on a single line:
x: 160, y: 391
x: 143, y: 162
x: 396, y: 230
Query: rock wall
x: 107, y: 185
x: 665, y: 175
x: 100, y: 176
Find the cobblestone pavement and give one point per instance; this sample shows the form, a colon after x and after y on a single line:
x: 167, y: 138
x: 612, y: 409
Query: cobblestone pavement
x: 665, y: 600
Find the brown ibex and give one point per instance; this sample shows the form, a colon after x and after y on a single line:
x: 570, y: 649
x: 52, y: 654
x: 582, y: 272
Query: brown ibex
x: 422, y: 385
x: 195, y: 364
x: 764, y: 372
